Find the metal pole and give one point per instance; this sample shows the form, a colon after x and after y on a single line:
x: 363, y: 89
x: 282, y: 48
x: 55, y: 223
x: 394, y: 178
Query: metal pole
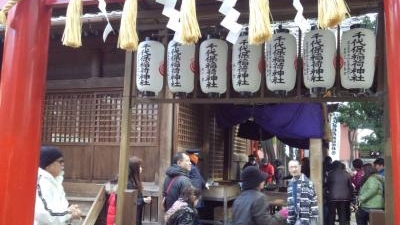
x: 22, y: 88
x: 392, y: 23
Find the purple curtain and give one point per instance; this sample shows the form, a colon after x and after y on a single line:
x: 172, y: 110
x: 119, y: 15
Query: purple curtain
x: 292, y: 123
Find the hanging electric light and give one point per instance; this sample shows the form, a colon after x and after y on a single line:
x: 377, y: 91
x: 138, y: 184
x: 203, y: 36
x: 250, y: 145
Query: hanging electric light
x: 213, y: 59
x: 150, y: 67
x: 246, y: 65
x: 357, y: 49
x: 280, y: 57
x: 180, y: 68
x: 319, y: 60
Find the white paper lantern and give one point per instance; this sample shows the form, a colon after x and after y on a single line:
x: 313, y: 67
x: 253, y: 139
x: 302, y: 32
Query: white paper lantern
x: 319, y: 60
x: 357, y: 49
x: 213, y: 59
x: 150, y: 67
x: 246, y: 61
x: 180, y: 67
x: 280, y: 57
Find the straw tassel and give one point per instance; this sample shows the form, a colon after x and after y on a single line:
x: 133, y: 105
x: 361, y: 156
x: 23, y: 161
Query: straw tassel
x: 190, y: 26
x: 128, y: 38
x: 331, y: 12
x: 73, y: 25
x: 259, y: 22
x: 5, y: 9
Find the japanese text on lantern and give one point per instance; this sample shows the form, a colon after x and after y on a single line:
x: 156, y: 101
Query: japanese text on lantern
x: 278, y: 60
x: 145, y: 57
x: 317, y: 49
x: 357, y: 52
x: 211, y: 66
x: 243, y: 63
x: 175, y: 65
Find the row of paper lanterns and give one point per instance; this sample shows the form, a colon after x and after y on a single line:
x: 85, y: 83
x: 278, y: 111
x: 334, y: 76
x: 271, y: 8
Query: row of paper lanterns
x: 357, y: 63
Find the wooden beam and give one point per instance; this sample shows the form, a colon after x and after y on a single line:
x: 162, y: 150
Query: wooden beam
x: 124, y: 147
x: 257, y: 100
x: 316, y: 172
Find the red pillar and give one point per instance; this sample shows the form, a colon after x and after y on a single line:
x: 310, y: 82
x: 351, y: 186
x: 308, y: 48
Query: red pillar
x: 22, y: 88
x: 392, y: 24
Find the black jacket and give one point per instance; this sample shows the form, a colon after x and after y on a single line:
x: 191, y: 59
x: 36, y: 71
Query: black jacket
x: 339, y: 186
x: 180, y: 183
x: 196, y: 178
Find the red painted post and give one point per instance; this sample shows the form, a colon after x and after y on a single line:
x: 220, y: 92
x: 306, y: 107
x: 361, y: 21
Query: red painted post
x: 22, y: 87
x: 392, y: 24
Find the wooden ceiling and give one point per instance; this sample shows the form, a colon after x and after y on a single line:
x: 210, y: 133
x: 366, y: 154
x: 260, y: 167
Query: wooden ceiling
x: 150, y: 13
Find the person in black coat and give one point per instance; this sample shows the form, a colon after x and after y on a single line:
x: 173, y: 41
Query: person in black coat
x: 251, y: 162
x: 339, y: 192
x: 177, y: 179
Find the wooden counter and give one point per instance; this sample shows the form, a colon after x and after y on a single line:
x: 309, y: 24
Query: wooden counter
x: 224, y: 192
x: 276, y: 198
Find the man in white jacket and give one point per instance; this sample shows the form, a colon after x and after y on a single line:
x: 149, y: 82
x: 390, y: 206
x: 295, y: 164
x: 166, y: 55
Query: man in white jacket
x: 51, y: 206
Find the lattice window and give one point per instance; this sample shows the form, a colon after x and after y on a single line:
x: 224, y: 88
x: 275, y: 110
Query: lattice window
x: 108, y: 114
x: 216, y: 149
x: 240, y: 145
x: 67, y: 118
x: 144, y: 123
x: 95, y: 118
x: 190, y: 127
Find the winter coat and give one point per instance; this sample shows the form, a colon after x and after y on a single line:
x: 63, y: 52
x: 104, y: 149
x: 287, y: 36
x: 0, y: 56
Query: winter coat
x: 180, y: 213
x: 251, y: 208
x: 306, y: 201
x: 371, y: 193
x: 356, y: 179
x: 181, y: 182
x: 339, y: 185
x: 270, y: 171
x: 112, y: 209
x: 51, y: 205
x: 196, y: 178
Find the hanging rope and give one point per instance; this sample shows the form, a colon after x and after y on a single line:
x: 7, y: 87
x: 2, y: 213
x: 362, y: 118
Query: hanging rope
x: 190, y: 26
x: 331, y: 12
x: 259, y: 23
x: 5, y: 9
x: 128, y: 38
x: 73, y: 25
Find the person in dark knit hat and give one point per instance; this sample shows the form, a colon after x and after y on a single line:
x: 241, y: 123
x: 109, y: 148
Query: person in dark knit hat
x: 251, y: 207
x: 51, y: 206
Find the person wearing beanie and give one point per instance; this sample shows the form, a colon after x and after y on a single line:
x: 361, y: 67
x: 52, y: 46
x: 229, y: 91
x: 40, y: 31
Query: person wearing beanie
x: 51, y: 206
x: 251, y: 206
x: 302, y: 198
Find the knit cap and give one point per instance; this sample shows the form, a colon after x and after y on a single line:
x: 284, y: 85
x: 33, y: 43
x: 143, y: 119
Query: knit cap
x: 48, y: 155
x: 252, y: 177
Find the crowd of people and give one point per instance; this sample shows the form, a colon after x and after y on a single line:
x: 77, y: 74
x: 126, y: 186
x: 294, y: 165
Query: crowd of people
x: 361, y: 190
x: 183, y: 186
